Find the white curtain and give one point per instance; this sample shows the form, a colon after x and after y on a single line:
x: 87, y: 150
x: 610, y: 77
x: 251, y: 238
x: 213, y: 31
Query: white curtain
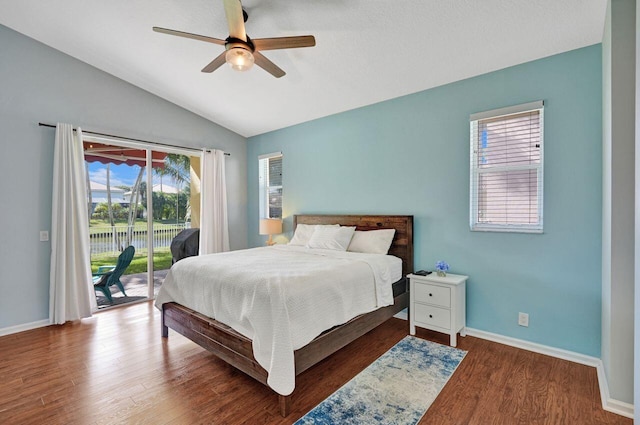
x: 214, y: 226
x: 71, y: 295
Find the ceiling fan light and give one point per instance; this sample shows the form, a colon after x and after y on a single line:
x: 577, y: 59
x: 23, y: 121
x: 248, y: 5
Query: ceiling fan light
x: 240, y: 59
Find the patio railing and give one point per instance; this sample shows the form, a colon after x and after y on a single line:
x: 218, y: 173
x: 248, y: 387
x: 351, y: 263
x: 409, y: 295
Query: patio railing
x: 112, y: 239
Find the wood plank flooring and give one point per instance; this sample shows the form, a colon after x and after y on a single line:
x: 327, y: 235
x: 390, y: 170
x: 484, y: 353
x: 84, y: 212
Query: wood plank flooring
x: 116, y: 369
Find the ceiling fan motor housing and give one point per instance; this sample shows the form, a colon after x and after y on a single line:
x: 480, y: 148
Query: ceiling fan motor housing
x: 236, y: 42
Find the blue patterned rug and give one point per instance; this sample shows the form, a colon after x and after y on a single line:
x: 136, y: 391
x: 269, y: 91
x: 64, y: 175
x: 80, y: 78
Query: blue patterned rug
x: 397, y: 388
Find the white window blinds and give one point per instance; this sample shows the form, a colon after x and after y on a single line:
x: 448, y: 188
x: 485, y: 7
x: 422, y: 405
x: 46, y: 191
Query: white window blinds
x: 270, y: 180
x: 506, y: 169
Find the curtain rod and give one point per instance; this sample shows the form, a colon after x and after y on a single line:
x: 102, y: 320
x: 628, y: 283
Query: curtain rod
x: 41, y: 124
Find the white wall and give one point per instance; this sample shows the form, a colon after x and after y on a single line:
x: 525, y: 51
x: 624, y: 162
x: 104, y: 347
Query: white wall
x: 39, y: 84
x: 618, y: 198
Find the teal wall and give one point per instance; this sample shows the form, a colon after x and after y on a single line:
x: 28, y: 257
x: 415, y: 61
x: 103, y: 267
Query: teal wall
x: 410, y: 155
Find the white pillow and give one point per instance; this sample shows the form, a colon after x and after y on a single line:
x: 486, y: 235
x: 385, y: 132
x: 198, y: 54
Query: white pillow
x: 304, y: 232
x: 372, y: 241
x: 336, y: 238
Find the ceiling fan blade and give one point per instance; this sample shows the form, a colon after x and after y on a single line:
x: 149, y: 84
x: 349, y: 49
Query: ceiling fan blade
x: 190, y: 35
x: 216, y: 63
x: 284, y: 42
x: 235, y: 19
x: 267, y: 65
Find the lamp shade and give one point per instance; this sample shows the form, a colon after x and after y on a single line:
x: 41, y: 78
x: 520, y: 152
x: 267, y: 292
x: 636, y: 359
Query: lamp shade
x: 270, y: 226
x: 240, y: 59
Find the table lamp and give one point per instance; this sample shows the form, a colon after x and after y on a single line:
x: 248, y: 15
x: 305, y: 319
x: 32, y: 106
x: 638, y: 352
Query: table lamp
x: 270, y: 226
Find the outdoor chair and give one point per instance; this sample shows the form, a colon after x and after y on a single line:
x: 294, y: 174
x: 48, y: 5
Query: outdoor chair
x: 110, y: 275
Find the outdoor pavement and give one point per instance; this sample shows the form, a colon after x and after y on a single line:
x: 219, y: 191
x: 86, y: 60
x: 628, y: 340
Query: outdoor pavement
x: 135, y: 285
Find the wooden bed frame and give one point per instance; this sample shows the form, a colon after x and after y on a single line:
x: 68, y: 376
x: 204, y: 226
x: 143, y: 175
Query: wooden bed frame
x: 237, y: 350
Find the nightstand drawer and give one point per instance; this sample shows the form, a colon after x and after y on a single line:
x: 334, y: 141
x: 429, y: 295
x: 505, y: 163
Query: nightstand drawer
x: 432, y: 294
x: 432, y: 316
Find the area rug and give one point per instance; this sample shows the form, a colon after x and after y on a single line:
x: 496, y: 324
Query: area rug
x: 397, y: 388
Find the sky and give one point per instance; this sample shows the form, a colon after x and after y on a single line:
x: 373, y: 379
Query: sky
x: 121, y: 175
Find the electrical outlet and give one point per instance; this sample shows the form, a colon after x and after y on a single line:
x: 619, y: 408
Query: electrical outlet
x: 44, y: 235
x: 523, y: 319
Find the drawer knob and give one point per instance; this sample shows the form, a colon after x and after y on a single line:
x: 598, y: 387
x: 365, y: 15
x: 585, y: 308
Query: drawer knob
x: 431, y: 316
x: 431, y: 295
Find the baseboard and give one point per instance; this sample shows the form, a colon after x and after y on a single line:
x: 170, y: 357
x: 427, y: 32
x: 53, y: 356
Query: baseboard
x: 608, y: 404
x: 24, y: 327
x: 536, y: 348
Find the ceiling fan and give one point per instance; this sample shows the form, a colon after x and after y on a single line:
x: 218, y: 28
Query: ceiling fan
x: 241, y: 51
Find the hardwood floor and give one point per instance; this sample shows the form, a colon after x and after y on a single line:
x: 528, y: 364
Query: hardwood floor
x: 115, y: 368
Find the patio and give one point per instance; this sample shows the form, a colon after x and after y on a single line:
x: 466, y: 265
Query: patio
x: 135, y: 285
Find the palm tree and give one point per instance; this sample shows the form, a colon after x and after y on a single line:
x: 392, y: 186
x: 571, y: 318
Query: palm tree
x: 89, y: 195
x: 110, y: 209
x: 178, y: 168
x: 133, y: 206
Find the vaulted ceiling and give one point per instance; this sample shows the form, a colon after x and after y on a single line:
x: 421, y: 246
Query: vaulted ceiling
x: 367, y: 50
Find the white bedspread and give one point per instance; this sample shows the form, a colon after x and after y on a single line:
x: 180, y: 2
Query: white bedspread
x: 282, y: 297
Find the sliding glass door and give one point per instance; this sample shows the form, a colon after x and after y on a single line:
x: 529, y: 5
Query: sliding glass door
x: 137, y: 197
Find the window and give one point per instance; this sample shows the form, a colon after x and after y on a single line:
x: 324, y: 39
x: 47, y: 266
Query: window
x: 270, y: 179
x: 506, y: 169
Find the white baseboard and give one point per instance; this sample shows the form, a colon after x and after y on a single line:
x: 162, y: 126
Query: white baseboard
x: 608, y: 404
x: 536, y: 348
x: 24, y: 327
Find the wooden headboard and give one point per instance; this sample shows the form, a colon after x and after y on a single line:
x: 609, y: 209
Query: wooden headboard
x: 402, y: 245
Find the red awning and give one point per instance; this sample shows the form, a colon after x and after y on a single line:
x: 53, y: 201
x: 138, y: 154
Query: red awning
x: 106, y: 154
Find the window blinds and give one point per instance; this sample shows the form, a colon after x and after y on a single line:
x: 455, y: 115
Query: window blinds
x: 275, y: 187
x: 270, y: 177
x: 506, y: 169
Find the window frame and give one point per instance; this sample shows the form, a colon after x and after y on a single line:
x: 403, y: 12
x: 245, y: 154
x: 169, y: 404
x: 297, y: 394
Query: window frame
x: 475, y: 171
x: 264, y: 187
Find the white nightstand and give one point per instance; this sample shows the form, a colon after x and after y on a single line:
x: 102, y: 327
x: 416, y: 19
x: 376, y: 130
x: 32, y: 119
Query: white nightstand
x: 438, y: 303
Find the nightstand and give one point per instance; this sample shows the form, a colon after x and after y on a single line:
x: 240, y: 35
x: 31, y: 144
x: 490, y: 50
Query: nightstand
x: 438, y: 303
